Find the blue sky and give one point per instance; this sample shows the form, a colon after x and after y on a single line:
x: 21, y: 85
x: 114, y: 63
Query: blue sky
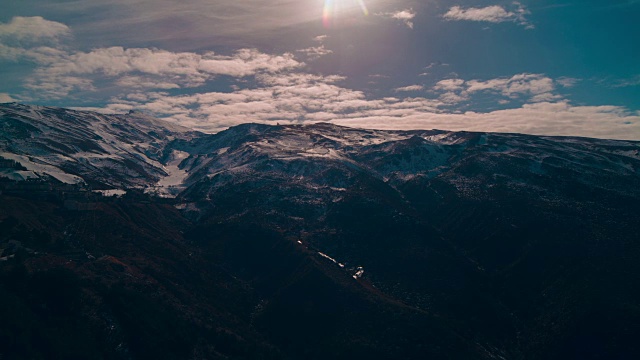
x: 540, y: 67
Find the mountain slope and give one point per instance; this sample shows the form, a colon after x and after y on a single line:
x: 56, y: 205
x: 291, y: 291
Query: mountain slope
x: 321, y: 241
x: 115, y: 151
x: 507, y: 234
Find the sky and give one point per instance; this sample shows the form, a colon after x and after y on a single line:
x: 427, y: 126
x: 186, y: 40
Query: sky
x: 537, y: 67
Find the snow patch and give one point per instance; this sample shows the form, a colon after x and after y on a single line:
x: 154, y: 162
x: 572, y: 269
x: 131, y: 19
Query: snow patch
x: 18, y: 175
x: 111, y: 192
x: 38, y: 167
x: 172, y: 184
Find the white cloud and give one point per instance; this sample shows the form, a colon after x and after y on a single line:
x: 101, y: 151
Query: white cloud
x: 555, y: 119
x: 39, y: 55
x: 493, y: 14
x: 292, y: 79
x: 567, y: 82
x: 140, y: 78
x: 302, y: 98
x: 58, y: 87
x: 60, y: 73
x: 292, y: 97
x: 533, y: 87
x: 545, y: 97
x: 321, y: 38
x: 517, y: 85
x: 434, y: 65
x: 116, y: 60
x: 318, y: 102
x: 142, y: 82
x: 406, y: 16
x: 621, y: 83
x: 315, y: 52
x: 32, y: 29
x: 449, y: 85
x: 409, y: 88
x: 451, y: 98
x: 247, y: 62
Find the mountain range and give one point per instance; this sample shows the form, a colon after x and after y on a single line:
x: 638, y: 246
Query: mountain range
x: 129, y: 237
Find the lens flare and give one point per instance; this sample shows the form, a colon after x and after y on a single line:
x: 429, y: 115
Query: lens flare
x: 365, y: 11
x: 329, y: 11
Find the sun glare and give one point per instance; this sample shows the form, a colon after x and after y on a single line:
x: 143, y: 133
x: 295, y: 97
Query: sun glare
x: 333, y: 7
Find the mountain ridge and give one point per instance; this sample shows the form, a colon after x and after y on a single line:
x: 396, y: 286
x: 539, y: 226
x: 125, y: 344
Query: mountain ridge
x: 321, y: 241
x: 146, y: 148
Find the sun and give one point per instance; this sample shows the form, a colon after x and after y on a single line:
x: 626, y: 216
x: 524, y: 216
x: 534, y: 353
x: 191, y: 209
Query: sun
x: 332, y: 7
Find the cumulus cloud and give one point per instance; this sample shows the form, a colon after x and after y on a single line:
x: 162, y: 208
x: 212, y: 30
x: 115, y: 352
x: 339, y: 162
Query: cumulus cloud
x: 544, y: 97
x: 315, y: 52
x: 278, y: 87
x: 145, y: 82
x: 493, y: 14
x: 449, y: 85
x: 531, y: 87
x: 32, y: 29
x: 37, y: 55
x: 409, y: 88
x: 321, y: 38
x: 292, y: 79
x: 545, y: 118
x: 295, y: 98
x: 316, y: 101
x: 57, y: 87
x: 292, y: 97
x: 406, y: 16
x: 517, y: 85
x: 115, y: 61
x: 59, y: 73
x: 453, y: 98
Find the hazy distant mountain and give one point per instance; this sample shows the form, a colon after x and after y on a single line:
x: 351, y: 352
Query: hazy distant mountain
x: 313, y: 241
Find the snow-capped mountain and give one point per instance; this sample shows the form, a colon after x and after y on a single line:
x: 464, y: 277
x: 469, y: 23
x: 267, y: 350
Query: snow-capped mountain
x: 328, y: 156
x: 315, y: 241
x: 136, y: 150
x: 107, y: 151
